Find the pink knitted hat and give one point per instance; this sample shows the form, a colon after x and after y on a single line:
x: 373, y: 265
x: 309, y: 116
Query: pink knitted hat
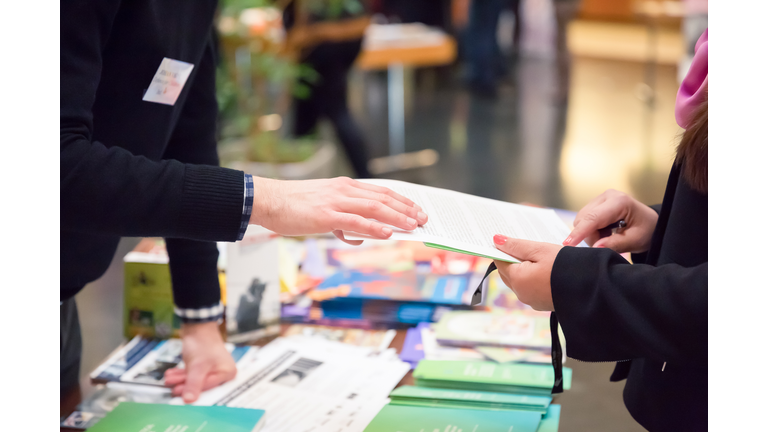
x: 694, y: 86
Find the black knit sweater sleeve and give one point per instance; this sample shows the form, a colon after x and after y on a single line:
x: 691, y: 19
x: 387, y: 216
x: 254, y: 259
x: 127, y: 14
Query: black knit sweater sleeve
x: 611, y: 310
x: 108, y: 190
x: 193, y: 263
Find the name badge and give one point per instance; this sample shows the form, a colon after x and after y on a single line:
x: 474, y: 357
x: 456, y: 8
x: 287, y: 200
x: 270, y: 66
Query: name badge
x: 168, y: 82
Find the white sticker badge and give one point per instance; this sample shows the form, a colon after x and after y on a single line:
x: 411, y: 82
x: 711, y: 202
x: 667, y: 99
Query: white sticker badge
x: 168, y: 82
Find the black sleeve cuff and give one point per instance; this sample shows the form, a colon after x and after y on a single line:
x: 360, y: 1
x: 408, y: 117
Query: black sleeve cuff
x: 194, y: 273
x: 212, y: 203
x: 575, y: 295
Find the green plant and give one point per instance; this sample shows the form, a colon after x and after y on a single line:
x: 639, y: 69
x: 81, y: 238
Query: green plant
x: 256, y: 78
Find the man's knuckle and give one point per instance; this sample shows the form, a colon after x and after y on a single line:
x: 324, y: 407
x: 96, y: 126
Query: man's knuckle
x: 373, y: 205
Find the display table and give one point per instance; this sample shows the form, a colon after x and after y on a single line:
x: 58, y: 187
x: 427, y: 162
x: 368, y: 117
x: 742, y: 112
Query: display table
x: 68, y: 402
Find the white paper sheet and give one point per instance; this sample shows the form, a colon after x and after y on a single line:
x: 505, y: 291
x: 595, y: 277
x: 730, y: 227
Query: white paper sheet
x: 468, y: 223
x: 312, y: 385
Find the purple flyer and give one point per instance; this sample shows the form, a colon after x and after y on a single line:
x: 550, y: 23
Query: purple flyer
x: 413, y: 350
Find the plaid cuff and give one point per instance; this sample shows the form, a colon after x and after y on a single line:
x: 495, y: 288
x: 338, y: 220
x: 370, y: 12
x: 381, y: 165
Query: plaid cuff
x: 247, y: 205
x: 201, y: 315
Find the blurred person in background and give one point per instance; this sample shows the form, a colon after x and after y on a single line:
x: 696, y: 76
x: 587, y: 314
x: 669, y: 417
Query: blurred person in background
x: 565, y: 12
x: 332, y: 60
x: 485, y: 60
x: 138, y: 158
x: 650, y: 316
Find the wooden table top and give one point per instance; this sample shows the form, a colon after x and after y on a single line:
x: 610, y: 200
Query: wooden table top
x: 415, y: 56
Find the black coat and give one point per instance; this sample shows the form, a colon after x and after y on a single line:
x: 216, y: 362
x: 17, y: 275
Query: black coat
x: 650, y: 316
x: 129, y: 167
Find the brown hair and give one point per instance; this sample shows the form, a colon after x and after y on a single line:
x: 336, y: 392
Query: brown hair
x: 692, y: 150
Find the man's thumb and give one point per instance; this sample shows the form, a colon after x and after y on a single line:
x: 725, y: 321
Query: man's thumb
x: 194, y: 384
x: 522, y: 250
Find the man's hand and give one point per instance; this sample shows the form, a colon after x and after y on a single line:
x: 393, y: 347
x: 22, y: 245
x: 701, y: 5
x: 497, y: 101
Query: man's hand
x: 609, y: 207
x: 207, y: 362
x: 331, y: 205
x: 530, y: 279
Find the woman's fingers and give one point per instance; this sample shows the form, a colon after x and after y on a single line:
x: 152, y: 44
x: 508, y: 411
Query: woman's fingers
x: 594, y: 219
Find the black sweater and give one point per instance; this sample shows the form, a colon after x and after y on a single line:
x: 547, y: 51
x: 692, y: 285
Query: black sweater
x: 648, y: 316
x: 136, y: 168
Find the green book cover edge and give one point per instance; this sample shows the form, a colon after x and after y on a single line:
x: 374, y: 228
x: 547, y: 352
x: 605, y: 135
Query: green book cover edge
x: 450, y: 249
x: 135, y: 417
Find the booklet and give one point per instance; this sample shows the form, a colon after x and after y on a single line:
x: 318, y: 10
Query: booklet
x: 465, y: 223
x: 551, y: 420
x: 415, y: 419
x: 489, y: 376
x: 133, y: 417
x: 466, y: 399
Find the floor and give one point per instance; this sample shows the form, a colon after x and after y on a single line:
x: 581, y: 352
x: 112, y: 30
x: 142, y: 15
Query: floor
x: 615, y: 129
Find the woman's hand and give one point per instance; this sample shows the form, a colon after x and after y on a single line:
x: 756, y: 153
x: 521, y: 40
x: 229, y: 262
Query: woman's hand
x: 609, y: 207
x: 207, y: 363
x: 530, y: 279
x: 331, y: 205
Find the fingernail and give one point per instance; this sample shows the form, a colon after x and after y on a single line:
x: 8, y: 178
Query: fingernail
x: 411, y: 221
x: 188, y: 396
x: 386, y: 231
x: 422, y: 216
x: 499, y: 239
x: 568, y: 240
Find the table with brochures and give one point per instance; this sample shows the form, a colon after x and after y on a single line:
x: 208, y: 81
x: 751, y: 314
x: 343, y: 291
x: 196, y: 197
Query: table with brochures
x: 390, y: 326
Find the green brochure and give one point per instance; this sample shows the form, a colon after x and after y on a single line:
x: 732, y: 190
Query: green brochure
x: 397, y: 418
x: 489, y: 376
x: 140, y: 417
x: 551, y: 420
x: 466, y: 399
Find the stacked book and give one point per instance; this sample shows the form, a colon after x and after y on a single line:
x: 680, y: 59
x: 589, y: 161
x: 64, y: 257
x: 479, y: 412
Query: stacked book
x: 467, y: 399
x: 502, y: 336
x: 384, y: 284
x: 421, y: 408
x: 522, y: 379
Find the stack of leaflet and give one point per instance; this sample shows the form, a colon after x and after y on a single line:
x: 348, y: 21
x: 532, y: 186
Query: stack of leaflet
x: 523, y: 379
x: 384, y: 284
x: 310, y: 384
x: 132, y: 416
x: 447, y: 398
x: 522, y: 411
x: 502, y: 336
x: 414, y: 418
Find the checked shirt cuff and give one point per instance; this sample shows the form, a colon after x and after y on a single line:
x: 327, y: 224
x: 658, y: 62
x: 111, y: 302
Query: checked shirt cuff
x: 201, y: 315
x: 247, y: 205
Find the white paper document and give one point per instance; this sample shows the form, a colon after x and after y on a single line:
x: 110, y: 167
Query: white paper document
x: 308, y: 384
x: 468, y: 223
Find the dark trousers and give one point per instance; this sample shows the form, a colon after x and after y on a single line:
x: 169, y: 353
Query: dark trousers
x: 328, y: 98
x: 71, y: 346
